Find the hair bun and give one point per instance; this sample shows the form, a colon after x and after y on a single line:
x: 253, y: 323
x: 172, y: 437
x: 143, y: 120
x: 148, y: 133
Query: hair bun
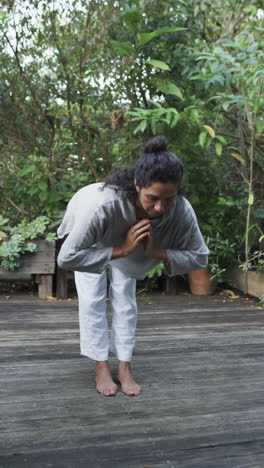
x: 157, y: 144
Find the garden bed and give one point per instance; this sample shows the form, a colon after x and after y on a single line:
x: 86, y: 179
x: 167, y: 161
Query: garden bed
x: 236, y: 278
x: 40, y: 263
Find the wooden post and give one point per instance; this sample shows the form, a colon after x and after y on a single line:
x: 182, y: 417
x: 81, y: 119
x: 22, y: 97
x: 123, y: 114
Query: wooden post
x: 45, y: 286
x: 171, y: 286
x: 61, y: 275
x: 61, y: 288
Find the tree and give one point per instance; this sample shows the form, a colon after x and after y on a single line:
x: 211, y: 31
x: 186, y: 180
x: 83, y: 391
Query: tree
x: 61, y: 125
x: 233, y: 72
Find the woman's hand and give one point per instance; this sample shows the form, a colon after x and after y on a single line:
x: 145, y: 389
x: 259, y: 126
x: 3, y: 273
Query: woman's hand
x: 148, y: 244
x: 152, y: 251
x: 136, y: 233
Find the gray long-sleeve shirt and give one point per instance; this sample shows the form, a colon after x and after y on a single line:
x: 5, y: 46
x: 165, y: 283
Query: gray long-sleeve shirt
x: 97, y: 220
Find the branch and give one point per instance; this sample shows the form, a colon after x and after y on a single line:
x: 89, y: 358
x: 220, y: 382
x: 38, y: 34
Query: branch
x: 12, y: 203
x: 22, y: 72
x: 28, y: 83
x: 74, y: 132
x: 63, y: 61
x: 81, y: 99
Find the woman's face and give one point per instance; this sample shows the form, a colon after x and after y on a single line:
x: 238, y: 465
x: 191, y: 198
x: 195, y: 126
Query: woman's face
x: 154, y: 200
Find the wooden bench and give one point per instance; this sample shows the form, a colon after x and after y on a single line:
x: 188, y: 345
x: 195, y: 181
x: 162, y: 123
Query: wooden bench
x: 40, y: 263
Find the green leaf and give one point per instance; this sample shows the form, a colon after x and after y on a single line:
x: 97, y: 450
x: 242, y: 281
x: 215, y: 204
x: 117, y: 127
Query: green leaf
x: 33, y: 190
x: 158, y: 64
x: 122, y: 48
x: 154, y: 126
x: 170, y: 88
x: 143, y: 38
x: 259, y: 124
x: 43, y: 185
x: 51, y: 237
x: 202, y: 139
x: 53, y: 196
x: 132, y: 16
x: 26, y: 170
x: 141, y: 127
x: 218, y: 149
x: 175, y: 119
x: 221, y: 139
x: 43, y: 196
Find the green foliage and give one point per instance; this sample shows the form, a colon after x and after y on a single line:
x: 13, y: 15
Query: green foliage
x: 58, y: 130
x: 85, y: 84
x: 221, y: 255
x: 19, y: 242
x: 31, y: 230
x: 157, y: 271
x: 234, y: 70
x: 153, y: 277
x: 154, y: 117
x: 4, y: 228
x: 255, y: 262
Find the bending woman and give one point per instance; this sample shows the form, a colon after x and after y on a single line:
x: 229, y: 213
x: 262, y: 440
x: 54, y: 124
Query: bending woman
x: 137, y: 218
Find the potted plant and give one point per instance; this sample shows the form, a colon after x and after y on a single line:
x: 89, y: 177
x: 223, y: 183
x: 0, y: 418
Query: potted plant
x: 204, y: 281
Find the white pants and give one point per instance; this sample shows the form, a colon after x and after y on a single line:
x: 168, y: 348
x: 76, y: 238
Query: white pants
x: 94, y: 339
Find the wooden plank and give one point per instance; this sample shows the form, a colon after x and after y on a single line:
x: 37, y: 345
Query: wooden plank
x: 236, y: 278
x: 201, y: 367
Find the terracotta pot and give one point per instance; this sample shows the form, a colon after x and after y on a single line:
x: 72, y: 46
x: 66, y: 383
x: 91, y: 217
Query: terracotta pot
x: 200, y: 283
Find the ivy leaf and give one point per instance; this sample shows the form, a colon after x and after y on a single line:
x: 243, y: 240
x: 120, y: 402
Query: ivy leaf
x: 158, y: 64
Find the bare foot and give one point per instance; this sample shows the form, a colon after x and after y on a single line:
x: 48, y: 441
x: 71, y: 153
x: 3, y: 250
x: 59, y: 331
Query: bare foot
x: 104, y: 382
x: 128, y: 384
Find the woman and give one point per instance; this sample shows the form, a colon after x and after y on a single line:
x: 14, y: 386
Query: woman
x: 135, y: 219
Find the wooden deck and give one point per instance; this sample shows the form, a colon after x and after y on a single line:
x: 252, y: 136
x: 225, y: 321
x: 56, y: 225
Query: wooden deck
x: 199, y: 361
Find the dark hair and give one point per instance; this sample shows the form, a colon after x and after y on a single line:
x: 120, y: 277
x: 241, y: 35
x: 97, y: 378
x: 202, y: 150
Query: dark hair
x: 156, y: 164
